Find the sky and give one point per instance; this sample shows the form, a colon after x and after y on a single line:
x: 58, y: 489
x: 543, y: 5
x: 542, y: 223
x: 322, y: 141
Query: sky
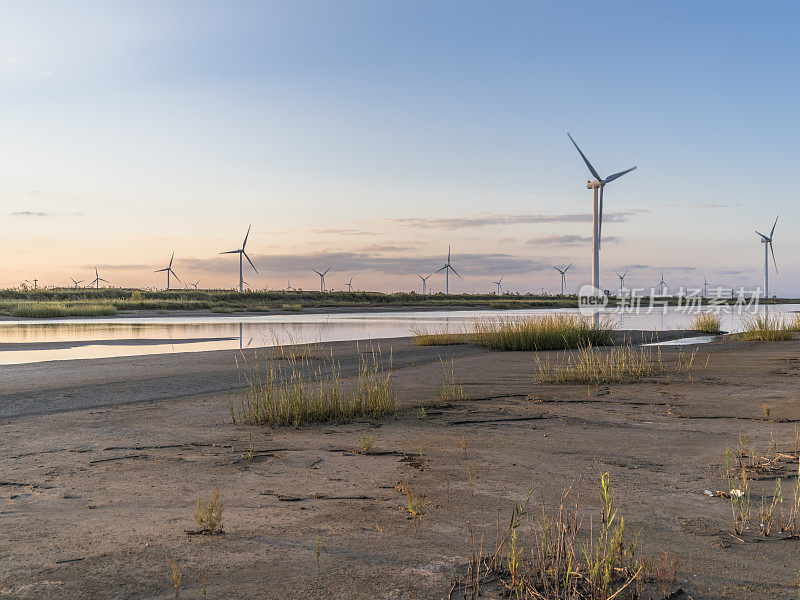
x: 370, y: 136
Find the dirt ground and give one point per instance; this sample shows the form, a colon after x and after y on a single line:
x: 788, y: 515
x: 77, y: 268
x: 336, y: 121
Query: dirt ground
x: 95, y: 493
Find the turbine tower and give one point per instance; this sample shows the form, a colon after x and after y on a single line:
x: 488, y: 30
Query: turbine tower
x: 424, y: 281
x: 705, y: 287
x: 349, y: 285
x: 321, y: 278
x: 168, y: 270
x: 563, y: 276
x: 621, y: 281
x: 97, y: 280
x: 242, y: 253
x: 597, y: 219
x: 767, y: 241
x: 447, y: 268
x: 76, y: 282
x: 499, y: 285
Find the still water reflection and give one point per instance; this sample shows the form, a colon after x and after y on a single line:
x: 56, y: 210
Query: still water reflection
x: 24, y: 341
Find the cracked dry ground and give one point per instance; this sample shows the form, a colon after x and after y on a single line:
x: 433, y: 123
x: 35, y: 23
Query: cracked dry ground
x: 91, y: 500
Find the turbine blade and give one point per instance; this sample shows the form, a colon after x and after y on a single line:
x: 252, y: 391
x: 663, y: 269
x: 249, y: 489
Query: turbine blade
x: 618, y: 175
x: 763, y: 236
x: 250, y: 261
x: 175, y: 276
x: 773, y: 227
x: 161, y: 270
x: 454, y: 271
x: 586, y: 160
x: 326, y: 270
x: 442, y: 269
x: 567, y: 269
x: 244, y: 243
x: 231, y: 252
x: 170, y: 259
x: 317, y: 272
x: 771, y: 249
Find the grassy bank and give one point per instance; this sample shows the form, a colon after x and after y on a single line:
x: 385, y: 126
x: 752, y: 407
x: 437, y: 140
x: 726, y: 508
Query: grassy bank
x: 546, y: 332
x: 767, y: 328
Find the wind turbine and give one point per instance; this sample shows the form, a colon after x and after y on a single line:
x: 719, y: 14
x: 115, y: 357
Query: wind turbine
x: 168, y: 270
x: 321, y: 278
x: 97, y: 279
x: 621, y: 281
x: 499, y: 284
x: 349, y: 285
x: 289, y: 287
x: 597, y: 218
x: 447, y: 268
x: 194, y: 285
x: 563, y: 276
x: 767, y: 241
x: 241, y: 253
x: 76, y: 282
x: 662, y: 285
x: 705, y: 287
x: 424, y: 281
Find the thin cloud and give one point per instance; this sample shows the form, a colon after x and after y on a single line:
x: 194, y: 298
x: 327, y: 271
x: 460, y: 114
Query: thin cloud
x: 713, y: 205
x: 568, y: 240
x: 489, y: 220
x: 292, y: 264
x: 40, y: 214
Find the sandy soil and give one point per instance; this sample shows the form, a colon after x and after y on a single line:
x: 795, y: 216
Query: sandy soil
x: 94, y: 492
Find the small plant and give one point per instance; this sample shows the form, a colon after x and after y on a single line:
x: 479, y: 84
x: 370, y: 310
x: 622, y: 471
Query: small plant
x: 666, y: 572
x: 740, y: 496
x: 423, y: 337
x: 421, y: 414
x: 464, y: 445
x: 366, y: 444
x: 176, y: 575
x: 136, y: 296
x: 291, y: 307
x: 208, y: 515
x: 415, y: 503
x: 767, y: 409
x: 707, y: 323
x: 450, y: 390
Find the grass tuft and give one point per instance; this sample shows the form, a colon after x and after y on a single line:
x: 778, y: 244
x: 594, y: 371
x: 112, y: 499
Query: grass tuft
x: 592, y: 365
x: 50, y: 310
x: 707, y: 323
x: 294, y: 389
x: 766, y: 328
x: 208, y: 514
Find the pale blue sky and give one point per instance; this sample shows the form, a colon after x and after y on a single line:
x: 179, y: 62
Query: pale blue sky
x: 348, y: 133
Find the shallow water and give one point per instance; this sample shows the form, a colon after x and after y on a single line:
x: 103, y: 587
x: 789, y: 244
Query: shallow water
x: 35, y: 340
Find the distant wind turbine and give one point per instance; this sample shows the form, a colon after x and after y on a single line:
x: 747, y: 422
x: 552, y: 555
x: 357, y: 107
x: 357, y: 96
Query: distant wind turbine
x: 194, y: 285
x: 242, y: 253
x: 447, y: 268
x: 349, y: 285
x: 662, y: 285
x: 424, y: 281
x: 563, y: 276
x: 499, y: 284
x: 97, y: 279
x: 321, y: 278
x: 621, y: 281
x: 168, y: 270
x: 597, y: 219
x: 289, y: 287
x: 705, y: 287
x: 767, y: 241
x: 76, y: 282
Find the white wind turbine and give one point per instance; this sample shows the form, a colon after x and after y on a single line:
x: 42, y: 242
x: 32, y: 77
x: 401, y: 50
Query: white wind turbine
x: 97, y: 279
x: 563, y: 276
x: 621, y: 281
x: 424, y: 281
x: 662, y: 285
x: 597, y: 219
x: 241, y: 253
x: 447, y: 268
x: 168, y: 270
x: 289, y: 287
x: 705, y: 287
x: 767, y: 241
x: 322, y: 278
x: 76, y: 282
x: 499, y: 285
x: 349, y: 285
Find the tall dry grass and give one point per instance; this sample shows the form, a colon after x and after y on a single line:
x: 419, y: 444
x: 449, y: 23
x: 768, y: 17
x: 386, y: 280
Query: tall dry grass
x: 296, y: 389
x: 592, y: 365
